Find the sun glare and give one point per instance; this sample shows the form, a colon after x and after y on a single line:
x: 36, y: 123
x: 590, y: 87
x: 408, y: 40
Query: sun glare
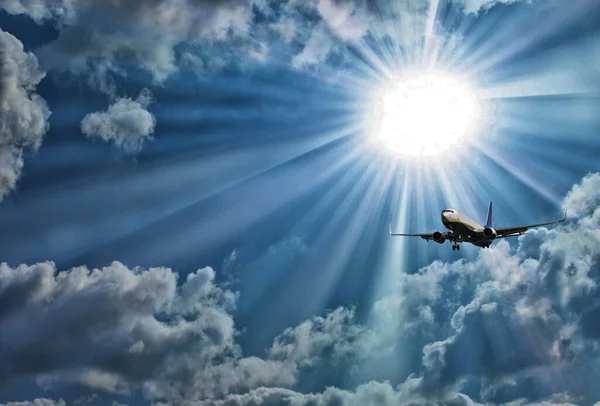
x: 425, y: 114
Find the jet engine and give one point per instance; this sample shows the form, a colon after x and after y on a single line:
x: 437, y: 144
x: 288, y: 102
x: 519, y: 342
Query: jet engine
x: 439, y: 237
x: 489, y: 232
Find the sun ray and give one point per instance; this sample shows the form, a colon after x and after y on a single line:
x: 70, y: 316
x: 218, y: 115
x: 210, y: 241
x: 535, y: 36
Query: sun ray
x: 519, y: 174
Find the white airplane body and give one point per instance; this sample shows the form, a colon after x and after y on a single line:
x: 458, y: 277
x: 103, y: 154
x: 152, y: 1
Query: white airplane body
x: 462, y: 228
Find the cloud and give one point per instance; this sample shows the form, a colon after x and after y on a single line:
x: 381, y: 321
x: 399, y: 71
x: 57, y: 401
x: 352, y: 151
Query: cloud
x: 95, y: 53
x: 105, y: 321
x: 507, y: 323
x: 512, y: 312
x: 475, y: 6
x: 23, y: 113
x: 368, y: 394
x: 101, y: 38
x: 37, y: 402
x: 38, y: 10
x: 118, y: 330
x: 127, y: 123
x: 584, y: 199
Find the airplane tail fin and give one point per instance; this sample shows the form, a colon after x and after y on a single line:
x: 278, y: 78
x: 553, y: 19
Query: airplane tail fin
x: 488, y: 221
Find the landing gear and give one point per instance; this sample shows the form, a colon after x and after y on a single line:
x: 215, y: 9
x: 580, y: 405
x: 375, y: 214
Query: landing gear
x: 456, y: 247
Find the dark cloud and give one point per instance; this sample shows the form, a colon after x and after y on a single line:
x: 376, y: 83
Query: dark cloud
x: 109, y: 324
x: 127, y: 123
x: 118, y: 329
x: 23, y: 113
x: 584, y: 200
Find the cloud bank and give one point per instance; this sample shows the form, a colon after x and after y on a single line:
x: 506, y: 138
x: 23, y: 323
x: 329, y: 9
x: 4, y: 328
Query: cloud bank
x: 118, y: 329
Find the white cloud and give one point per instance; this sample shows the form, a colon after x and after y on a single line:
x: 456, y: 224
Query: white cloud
x: 305, y: 344
x: 127, y: 123
x: 584, y: 199
x: 475, y: 6
x: 23, y: 113
x: 371, y: 393
x: 348, y: 20
x: 39, y: 10
x: 143, y: 32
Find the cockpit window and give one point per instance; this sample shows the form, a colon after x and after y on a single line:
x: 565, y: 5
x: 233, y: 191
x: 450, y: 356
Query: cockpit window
x: 448, y: 211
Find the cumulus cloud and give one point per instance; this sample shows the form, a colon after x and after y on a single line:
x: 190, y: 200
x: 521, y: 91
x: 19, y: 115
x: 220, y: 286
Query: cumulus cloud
x: 23, y: 113
x: 306, y: 343
x: 127, y: 123
x: 110, y: 327
x: 371, y: 393
x: 98, y: 38
x: 118, y: 329
x: 368, y: 394
x: 584, y: 199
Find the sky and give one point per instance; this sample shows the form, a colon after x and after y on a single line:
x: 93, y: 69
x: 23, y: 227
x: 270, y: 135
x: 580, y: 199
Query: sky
x: 194, y: 204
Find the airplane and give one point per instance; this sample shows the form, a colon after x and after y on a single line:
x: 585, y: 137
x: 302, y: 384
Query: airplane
x: 464, y: 229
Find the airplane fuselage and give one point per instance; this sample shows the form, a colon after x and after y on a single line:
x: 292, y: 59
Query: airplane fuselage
x: 465, y: 228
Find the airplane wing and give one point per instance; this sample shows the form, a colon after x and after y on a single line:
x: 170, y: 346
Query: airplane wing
x: 512, y: 231
x: 423, y: 236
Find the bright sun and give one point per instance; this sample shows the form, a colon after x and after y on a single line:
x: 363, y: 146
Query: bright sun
x: 424, y: 115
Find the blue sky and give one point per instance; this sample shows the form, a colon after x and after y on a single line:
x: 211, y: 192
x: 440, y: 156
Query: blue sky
x: 193, y: 210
